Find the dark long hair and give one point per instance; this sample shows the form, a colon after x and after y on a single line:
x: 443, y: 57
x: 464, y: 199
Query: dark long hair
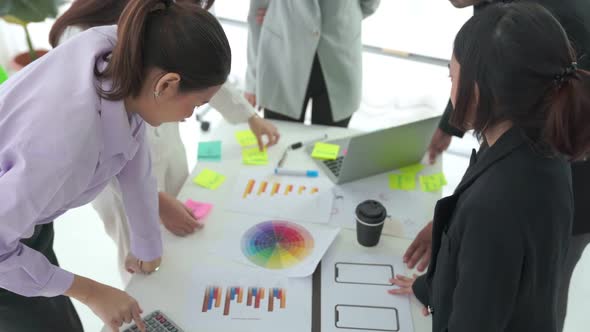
x: 175, y: 36
x: 87, y: 14
x: 520, y: 59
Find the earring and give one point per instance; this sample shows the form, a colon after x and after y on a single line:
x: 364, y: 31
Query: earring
x: 156, y: 94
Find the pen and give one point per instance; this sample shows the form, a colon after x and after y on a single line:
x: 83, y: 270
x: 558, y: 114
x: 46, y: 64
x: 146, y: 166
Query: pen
x: 296, y: 146
x: 292, y: 172
x: 301, y: 144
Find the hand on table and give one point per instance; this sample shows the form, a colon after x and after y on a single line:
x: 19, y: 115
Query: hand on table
x: 420, y: 249
x: 176, y: 217
x: 113, y: 306
x: 261, y: 128
x: 405, y: 288
x: 438, y: 144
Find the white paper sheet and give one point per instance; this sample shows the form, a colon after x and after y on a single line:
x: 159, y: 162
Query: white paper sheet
x: 288, y: 309
x: 297, y: 198
x: 231, y: 246
x: 354, y: 293
x: 409, y: 211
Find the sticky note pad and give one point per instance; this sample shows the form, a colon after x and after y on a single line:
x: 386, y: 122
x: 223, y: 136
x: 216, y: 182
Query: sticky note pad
x: 254, y: 157
x: 209, y: 179
x: 200, y: 210
x: 402, y: 181
x: 434, y: 182
x: 412, y: 169
x: 209, y: 151
x: 325, y: 151
x: 246, y: 138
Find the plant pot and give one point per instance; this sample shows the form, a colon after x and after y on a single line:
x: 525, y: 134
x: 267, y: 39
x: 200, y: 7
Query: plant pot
x: 23, y: 59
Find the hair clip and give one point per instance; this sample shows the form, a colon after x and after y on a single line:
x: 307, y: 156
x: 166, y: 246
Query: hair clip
x: 568, y: 72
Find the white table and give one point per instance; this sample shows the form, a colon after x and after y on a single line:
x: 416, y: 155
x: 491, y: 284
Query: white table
x: 165, y: 290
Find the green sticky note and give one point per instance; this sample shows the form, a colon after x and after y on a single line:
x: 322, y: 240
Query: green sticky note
x: 434, y: 182
x: 405, y: 181
x: 246, y: 138
x: 254, y: 157
x: 209, y: 179
x: 412, y: 169
x: 209, y: 151
x: 325, y: 151
x: 3, y: 75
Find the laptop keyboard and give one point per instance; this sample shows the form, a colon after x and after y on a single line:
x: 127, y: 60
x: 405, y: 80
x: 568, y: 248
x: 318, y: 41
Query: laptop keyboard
x: 156, y: 322
x: 335, y: 166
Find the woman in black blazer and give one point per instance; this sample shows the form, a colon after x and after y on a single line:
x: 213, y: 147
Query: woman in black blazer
x: 574, y: 16
x: 500, y: 240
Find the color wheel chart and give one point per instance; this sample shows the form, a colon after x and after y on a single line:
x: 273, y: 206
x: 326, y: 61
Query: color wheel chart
x: 276, y: 298
x: 277, y: 244
x: 275, y: 189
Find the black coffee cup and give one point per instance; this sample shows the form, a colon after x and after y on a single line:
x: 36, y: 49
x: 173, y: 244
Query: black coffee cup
x: 370, y: 217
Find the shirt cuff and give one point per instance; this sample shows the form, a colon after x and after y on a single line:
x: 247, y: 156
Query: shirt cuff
x: 58, y: 283
x: 146, y: 250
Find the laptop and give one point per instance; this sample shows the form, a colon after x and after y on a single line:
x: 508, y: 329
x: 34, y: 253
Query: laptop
x: 378, y: 152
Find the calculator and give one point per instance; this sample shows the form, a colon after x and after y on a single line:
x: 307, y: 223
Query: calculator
x: 156, y: 322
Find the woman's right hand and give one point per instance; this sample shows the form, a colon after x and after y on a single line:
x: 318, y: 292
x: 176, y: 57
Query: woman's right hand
x: 115, y: 307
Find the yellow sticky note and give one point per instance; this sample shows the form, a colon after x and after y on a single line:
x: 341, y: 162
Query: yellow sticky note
x: 412, y: 169
x: 434, y: 182
x: 246, y: 138
x: 209, y: 179
x: 254, y: 157
x: 325, y: 151
x: 402, y: 181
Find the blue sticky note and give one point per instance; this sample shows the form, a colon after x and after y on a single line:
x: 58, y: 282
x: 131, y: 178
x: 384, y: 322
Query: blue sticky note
x: 209, y: 151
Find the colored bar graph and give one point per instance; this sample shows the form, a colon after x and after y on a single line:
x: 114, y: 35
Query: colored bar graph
x: 206, y: 299
x: 255, y: 296
x: 279, y: 294
x: 249, y: 188
x: 289, y: 189
x: 301, y: 190
x: 283, y: 295
x: 249, y: 297
x: 240, y: 295
x: 275, y: 189
x: 262, y: 188
x: 218, y: 294
x: 314, y: 190
x: 227, y: 301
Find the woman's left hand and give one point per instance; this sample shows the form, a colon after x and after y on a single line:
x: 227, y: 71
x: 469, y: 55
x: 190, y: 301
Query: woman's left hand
x: 261, y: 128
x: 405, y: 288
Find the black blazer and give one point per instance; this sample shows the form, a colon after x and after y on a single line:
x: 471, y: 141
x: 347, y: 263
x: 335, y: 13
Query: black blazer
x: 499, y: 241
x: 574, y: 15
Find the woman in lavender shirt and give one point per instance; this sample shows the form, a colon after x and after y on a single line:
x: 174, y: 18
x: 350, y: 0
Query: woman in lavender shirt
x: 73, y: 120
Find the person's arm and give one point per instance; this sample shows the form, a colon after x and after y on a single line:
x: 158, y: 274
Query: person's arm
x: 368, y: 7
x: 236, y: 109
x: 489, y: 266
x: 232, y: 105
x: 35, y: 176
x: 253, y: 39
x: 140, y: 198
x: 467, y: 3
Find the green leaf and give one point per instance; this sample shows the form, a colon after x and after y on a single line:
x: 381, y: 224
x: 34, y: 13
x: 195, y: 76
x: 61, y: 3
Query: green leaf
x: 27, y: 11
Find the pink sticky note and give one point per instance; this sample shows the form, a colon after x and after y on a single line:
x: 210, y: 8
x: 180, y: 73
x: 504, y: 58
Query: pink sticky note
x: 200, y: 210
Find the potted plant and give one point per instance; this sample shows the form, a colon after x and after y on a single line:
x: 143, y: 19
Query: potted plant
x: 23, y: 12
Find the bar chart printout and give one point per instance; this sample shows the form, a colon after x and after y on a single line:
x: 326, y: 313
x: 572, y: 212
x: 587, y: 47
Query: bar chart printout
x: 219, y: 300
x: 261, y: 194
